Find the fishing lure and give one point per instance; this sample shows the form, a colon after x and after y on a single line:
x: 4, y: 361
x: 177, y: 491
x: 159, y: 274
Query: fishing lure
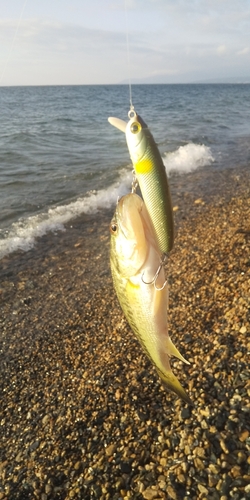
x: 151, y: 176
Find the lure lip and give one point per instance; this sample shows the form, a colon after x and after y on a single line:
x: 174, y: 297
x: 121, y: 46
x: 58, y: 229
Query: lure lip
x: 118, y: 123
x: 133, y: 141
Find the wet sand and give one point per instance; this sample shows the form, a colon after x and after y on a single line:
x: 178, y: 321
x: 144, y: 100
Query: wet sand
x: 83, y: 413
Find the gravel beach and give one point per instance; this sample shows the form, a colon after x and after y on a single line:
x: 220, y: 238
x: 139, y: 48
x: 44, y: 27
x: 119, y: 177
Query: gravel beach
x: 83, y: 413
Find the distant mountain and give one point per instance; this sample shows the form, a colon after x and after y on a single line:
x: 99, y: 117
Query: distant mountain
x: 171, y: 79
x: 233, y: 79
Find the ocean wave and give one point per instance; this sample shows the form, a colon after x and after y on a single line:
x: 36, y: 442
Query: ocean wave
x: 23, y: 234
x: 188, y: 158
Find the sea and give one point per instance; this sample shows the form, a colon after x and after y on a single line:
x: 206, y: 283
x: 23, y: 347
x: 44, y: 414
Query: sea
x: 60, y: 158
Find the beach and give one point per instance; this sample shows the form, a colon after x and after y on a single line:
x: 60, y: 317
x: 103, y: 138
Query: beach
x: 83, y: 412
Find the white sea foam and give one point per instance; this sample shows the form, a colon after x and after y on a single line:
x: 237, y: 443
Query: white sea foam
x: 23, y: 233
x: 188, y: 158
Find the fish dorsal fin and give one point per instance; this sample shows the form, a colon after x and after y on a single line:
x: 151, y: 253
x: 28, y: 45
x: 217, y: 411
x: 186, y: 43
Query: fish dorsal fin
x: 173, y: 351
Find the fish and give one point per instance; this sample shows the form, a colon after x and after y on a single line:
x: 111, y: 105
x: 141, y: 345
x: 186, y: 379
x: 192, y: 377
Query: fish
x: 142, y: 290
x: 151, y: 176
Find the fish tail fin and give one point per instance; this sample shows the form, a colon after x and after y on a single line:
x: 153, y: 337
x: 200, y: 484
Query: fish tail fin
x: 173, y: 351
x: 171, y: 382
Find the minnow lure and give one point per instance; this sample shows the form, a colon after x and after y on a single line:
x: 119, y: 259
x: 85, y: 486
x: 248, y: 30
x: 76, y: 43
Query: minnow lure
x: 151, y: 175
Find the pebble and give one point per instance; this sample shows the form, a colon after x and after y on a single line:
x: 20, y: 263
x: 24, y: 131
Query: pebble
x: 223, y: 446
x: 171, y: 493
x: 236, y: 471
x: 164, y: 462
x: 186, y: 413
x: 200, y: 452
x: 244, y: 435
x: 48, y: 489
x: 199, y: 464
x: 150, y: 494
x: 212, y: 480
x: 243, y: 329
x: 215, y: 469
x: 202, y: 489
x: 110, y: 450
x: 84, y: 414
x: 45, y: 419
x: 241, y: 457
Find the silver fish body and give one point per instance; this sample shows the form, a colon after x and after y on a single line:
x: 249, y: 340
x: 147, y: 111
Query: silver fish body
x: 142, y: 292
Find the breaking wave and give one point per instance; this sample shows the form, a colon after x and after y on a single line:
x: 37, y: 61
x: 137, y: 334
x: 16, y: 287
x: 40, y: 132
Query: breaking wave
x: 23, y: 234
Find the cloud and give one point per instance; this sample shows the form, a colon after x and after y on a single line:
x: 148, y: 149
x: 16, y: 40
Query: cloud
x: 47, y: 52
x: 41, y: 38
x: 221, y: 50
x: 173, y: 39
x: 243, y: 52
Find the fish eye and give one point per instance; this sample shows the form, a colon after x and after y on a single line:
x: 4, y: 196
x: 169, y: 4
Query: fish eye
x: 135, y: 128
x: 113, y: 228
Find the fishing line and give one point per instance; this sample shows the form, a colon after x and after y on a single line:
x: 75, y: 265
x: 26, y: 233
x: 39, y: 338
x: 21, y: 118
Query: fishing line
x: 128, y: 60
x: 13, y: 41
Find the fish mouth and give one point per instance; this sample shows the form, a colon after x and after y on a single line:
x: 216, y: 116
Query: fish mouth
x: 128, y: 213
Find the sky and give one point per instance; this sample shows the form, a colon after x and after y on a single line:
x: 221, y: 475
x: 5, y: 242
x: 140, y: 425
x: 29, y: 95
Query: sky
x: 74, y: 42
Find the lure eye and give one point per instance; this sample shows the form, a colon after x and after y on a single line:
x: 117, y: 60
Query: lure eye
x: 135, y: 128
x: 113, y: 228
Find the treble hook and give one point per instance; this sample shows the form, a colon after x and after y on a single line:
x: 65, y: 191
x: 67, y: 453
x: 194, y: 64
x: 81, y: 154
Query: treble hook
x: 153, y: 281
x: 134, y: 183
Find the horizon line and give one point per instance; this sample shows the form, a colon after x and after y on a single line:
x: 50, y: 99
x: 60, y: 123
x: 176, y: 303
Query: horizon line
x: 125, y: 84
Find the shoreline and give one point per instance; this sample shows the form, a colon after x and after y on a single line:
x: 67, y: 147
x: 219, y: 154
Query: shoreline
x: 84, y: 414
x: 212, y: 184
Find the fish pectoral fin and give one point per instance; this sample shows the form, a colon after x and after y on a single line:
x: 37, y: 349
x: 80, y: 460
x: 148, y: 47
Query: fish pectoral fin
x: 172, y: 382
x: 118, y: 123
x: 173, y: 351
